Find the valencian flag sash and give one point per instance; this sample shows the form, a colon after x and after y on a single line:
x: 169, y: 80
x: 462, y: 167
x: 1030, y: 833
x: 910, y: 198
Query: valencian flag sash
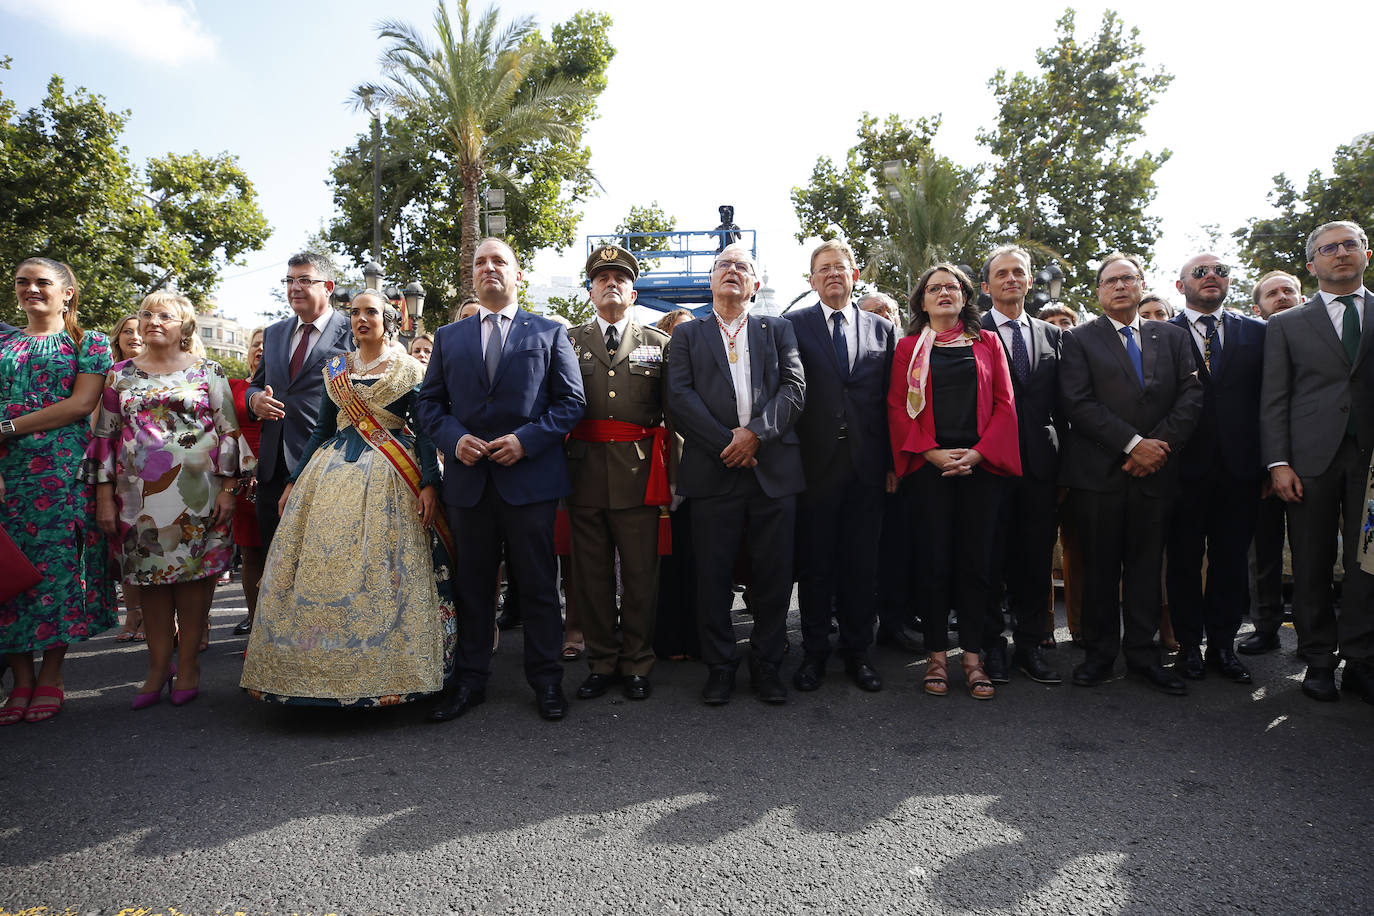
x: 377, y: 436
x: 656, y: 493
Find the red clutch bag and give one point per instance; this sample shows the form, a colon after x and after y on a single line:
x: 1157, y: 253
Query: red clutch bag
x: 17, y: 574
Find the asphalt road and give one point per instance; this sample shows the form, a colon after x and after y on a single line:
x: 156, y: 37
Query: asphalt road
x: 1115, y: 800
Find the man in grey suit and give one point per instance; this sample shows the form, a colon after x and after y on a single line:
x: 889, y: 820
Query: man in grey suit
x: 735, y: 392
x: 1130, y: 392
x: 285, y: 390
x: 1316, y: 438
x: 846, y: 354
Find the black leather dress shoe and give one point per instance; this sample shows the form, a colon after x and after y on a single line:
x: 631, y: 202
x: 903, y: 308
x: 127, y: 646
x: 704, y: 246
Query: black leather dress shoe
x: 636, y: 687
x: 244, y: 627
x: 455, y: 701
x: 1092, y: 674
x: 1258, y: 643
x: 1191, y: 663
x: 1162, y: 679
x: 595, y: 685
x: 1320, y: 684
x: 863, y: 674
x: 1033, y: 666
x: 898, y: 639
x: 551, y: 702
x: 764, y: 681
x: 809, y: 674
x: 508, y: 620
x: 1223, y: 658
x: 1358, y: 679
x: 720, y: 684
x: 995, y: 664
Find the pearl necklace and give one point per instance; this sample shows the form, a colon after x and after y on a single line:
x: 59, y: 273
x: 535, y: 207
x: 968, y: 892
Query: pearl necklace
x: 365, y: 368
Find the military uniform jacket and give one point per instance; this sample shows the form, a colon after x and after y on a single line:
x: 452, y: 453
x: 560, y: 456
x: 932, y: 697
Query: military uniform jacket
x: 630, y: 388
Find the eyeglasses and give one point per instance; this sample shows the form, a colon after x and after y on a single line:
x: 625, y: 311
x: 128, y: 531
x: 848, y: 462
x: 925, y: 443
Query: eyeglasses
x: 938, y: 288
x: 1351, y: 245
x: 1123, y: 280
x: 1221, y: 270
x: 743, y: 267
x: 306, y: 282
x: 831, y: 269
x: 159, y: 317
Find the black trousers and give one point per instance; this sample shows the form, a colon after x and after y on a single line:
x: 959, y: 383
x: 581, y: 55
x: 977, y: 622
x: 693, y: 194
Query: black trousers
x: 1122, y: 538
x: 719, y: 525
x: 676, y: 630
x: 1271, y: 527
x: 1213, y: 517
x: 527, y: 531
x: 1332, y: 501
x: 894, y: 569
x: 953, y: 525
x: 1027, y: 527
x: 840, y: 523
x: 269, y: 494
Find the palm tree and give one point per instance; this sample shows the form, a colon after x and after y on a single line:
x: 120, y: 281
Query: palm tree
x: 930, y: 218
x: 472, y: 83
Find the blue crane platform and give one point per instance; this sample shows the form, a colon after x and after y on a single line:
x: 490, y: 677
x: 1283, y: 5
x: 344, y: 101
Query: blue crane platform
x: 682, y: 278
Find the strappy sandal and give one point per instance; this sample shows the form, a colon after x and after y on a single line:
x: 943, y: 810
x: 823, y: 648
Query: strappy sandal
x: 979, y: 686
x: 42, y: 712
x: 16, y: 706
x: 133, y: 625
x: 936, y: 681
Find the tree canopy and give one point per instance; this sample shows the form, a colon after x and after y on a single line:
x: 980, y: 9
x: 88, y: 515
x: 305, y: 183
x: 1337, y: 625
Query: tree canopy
x: 71, y: 192
x: 473, y: 105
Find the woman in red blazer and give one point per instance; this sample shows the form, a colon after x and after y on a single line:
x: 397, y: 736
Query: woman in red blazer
x: 953, y: 426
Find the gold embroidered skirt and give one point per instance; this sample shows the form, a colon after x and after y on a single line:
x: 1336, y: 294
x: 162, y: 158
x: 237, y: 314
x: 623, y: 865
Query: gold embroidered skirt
x: 348, y: 613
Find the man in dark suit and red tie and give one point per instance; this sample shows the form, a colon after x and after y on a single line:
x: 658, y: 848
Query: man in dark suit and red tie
x: 735, y: 393
x: 1130, y: 392
x: 1028, y: 516
x: 1219, y: 497
x: 1317, y: 435
x: 499, y: 397
x: 847, y: 357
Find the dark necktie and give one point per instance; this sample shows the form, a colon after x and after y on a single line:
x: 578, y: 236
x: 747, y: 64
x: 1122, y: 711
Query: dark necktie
x: 1020, y: 357
x: 298, y: 358
x: 612, y: 340
x: 1211, y: 343
x: 1133, y: 351
x: 841, y: 345
x: 1350, y: 326
x: 493, y: 352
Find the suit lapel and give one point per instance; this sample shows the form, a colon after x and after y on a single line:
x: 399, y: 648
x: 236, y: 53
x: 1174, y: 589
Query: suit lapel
x: 1149, y: 350
x: 1366, y: 330
x: 1314, y: 310
x: 1115, y: 346
x: 1181, y: 321
x: 820, y: 326
x: 520, y: 326
x: 711, y: 331
x: 594, y: 343
x: 757, y: 343
x: 628, y: 341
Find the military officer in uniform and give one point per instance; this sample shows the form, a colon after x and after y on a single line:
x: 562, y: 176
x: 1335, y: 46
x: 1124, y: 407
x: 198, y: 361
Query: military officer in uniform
x: 618, y: 460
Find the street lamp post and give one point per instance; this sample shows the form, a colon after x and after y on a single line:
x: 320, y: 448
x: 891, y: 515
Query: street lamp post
x: 415, y: 304
x: 372, y: 275
x: 493, y: 211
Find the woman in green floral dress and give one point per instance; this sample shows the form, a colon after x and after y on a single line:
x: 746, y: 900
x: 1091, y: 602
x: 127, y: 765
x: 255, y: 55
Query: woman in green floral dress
x: 51, y: 374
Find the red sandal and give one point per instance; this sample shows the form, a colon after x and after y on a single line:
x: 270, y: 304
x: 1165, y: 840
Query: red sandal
x: 14, y: 712
x: 46, y: 711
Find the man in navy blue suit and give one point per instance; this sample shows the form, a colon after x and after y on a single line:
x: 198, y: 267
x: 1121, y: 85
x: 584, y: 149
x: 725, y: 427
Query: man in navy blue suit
x: 499, y: 397
x: 847, y: 356
x: 735, y: 391
x: 1221, y: 475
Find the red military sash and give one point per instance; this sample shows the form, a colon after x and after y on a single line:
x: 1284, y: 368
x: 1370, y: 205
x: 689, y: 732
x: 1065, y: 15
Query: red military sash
x: 656, y: 492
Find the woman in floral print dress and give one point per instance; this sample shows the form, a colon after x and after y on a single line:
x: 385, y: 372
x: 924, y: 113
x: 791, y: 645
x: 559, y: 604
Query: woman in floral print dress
x: 51, y: 374
x: 166, y: 456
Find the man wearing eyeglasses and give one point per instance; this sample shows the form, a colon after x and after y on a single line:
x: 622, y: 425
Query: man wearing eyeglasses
x: 1316, y: 438
x: 1214, y: 517
x: 1130, y: 391
x: 735, y: 392
x: 285, y: 390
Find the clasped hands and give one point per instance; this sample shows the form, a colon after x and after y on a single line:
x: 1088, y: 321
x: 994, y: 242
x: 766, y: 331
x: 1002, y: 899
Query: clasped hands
x: 741, y: 450
x: 953, y: 462
x: 1148, y: 456
x: 504, y: 450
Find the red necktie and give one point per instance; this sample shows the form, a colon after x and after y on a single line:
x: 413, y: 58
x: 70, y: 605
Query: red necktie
x: 298, y: 358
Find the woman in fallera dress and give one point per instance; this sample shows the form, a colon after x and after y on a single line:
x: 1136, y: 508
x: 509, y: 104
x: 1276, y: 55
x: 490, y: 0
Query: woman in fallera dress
x: 354, y: 608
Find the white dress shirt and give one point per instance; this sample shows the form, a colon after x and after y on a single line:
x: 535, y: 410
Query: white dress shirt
x: 620, y: 326
x: 507, y: 316
x: 851, y: 335
x: 1336, y: 309
x: 739, y: 371
x: 1200, y: 330
x: 320, y: 324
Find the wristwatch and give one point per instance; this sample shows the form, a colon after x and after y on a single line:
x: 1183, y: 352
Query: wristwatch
x: 6, y: 427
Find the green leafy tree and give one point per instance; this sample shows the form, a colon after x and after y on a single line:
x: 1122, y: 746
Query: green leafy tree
x: 850, y: 200
x: 577, y: 311
x: 1064, y: 174
x: 1279, y: 242
x: 645, y: 219
x: 478, y: 104
x: 70, y: 191
x: 931, y: 216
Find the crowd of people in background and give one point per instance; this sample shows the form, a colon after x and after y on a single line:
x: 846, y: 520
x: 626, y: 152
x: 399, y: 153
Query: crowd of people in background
x: 913, y: 476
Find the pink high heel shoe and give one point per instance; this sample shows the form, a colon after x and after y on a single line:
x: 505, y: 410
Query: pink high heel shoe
x: 144, y: 700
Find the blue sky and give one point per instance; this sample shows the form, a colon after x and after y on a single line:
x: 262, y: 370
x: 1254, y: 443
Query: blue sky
x: 707, y: 104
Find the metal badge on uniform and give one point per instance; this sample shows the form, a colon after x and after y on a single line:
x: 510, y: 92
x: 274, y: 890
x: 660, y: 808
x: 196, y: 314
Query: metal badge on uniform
x: 646, y: 354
